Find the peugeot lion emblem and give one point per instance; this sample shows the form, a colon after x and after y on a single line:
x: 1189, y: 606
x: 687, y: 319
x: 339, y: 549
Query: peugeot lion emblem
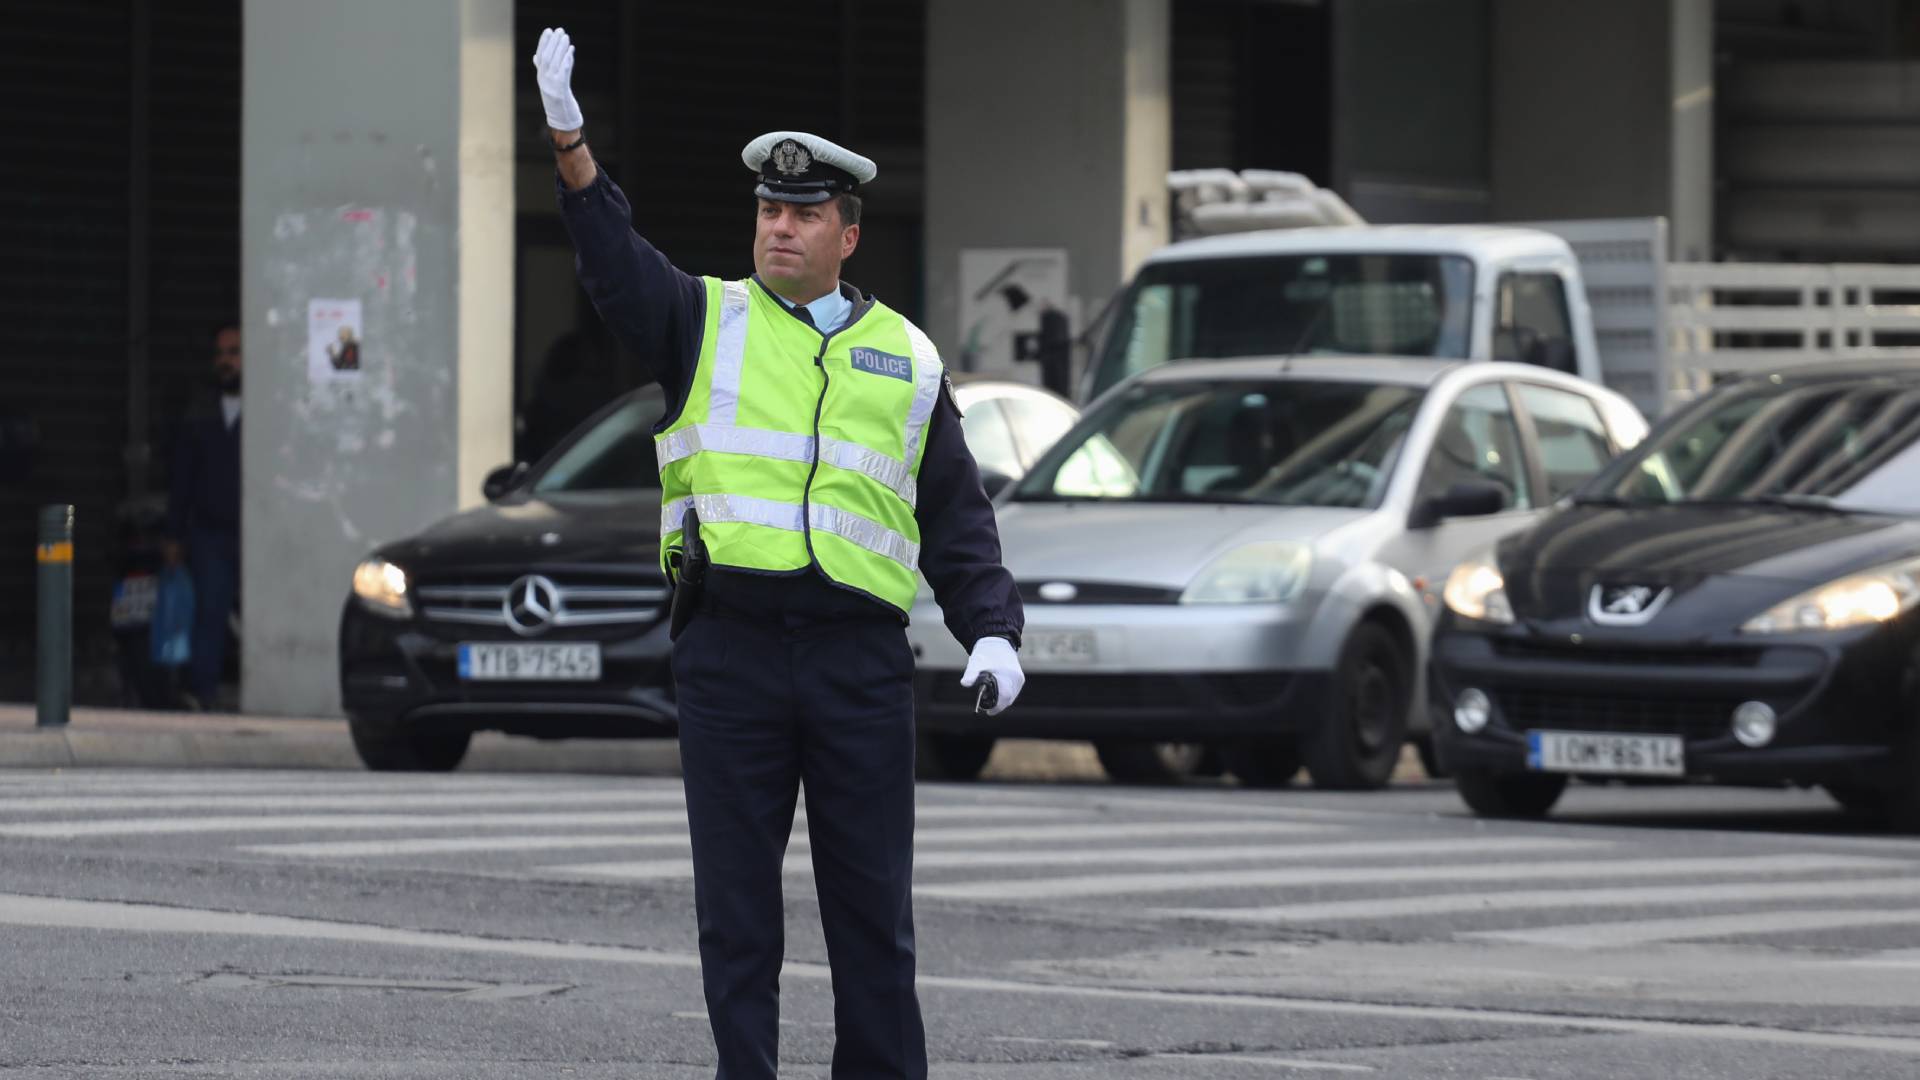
x: 531, y: 604
x: 1626, y: 605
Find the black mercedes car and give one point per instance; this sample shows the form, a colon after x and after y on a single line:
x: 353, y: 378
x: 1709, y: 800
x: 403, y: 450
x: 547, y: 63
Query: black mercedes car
x: 1732, y: 601
x: 541, y: 613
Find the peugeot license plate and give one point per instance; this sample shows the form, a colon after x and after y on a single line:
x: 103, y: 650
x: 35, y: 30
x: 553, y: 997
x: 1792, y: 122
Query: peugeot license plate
x: 1059, y: 647
x: 573, y: 661
x: 1611, y: 755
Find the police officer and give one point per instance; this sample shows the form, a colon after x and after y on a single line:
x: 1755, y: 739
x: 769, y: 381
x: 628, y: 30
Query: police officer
x: 812, y: 433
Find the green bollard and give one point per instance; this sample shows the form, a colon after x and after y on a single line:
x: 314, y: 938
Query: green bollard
x: 55, y: 691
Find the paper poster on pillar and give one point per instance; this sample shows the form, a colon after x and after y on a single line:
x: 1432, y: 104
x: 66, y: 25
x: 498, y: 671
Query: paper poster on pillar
x: 333, y: 341
x: 1003, y: 294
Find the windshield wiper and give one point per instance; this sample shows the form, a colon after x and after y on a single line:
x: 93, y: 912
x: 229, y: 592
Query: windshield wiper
x: 1609, y: 500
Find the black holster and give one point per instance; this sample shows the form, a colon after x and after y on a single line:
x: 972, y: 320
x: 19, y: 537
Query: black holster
x: 689, y: 577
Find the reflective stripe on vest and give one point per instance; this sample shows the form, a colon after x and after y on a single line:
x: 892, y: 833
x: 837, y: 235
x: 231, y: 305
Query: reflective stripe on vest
x: 745, y: 510
x: 800, y: 448
x: 787, y: 446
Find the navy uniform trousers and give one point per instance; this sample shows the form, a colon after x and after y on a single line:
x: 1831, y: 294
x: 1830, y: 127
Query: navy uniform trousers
x: 769, y: 706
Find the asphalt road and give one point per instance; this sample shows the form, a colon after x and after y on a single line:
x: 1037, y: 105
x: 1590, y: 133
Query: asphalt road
x: 305, y: 925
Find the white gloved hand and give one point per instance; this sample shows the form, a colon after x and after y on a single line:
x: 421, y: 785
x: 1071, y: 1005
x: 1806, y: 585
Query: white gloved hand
x: 995, y: 656
x: 553, y: 63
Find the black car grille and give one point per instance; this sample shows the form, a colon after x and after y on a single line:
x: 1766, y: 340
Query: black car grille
x: 1628, y: 657
x: 579, y: 600
x: 1128, y: 693
x: 1691, y: 718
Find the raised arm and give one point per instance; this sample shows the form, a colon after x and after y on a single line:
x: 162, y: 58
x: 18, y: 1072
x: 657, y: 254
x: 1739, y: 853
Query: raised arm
x: 650, y: 305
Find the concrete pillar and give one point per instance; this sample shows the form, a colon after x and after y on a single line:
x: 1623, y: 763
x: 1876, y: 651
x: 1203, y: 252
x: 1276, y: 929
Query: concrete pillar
x: 1049, y: 126
x: 1605, y: 110
x: 376, y: 195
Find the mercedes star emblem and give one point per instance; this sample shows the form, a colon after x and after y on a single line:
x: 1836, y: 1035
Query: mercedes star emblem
x: 531, y: 604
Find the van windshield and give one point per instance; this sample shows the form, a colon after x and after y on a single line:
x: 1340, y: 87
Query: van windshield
x: 1373, y: 304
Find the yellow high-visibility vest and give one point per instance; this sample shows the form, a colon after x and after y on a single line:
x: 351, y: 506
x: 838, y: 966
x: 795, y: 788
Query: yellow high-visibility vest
x: 797, y: 448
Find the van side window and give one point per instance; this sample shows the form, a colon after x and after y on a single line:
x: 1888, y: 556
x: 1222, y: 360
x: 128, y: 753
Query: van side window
x: 1531, y: 324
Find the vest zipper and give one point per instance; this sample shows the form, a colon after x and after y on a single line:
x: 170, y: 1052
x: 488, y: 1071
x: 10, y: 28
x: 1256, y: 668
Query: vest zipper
x: 813, y: 467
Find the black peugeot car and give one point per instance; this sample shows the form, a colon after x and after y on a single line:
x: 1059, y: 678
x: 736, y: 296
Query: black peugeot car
x: 541, y: 613
x: 1731, y: 601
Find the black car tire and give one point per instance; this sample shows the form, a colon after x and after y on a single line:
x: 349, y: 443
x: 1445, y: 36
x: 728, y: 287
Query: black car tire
x: 385, y: 750
x: 1150, y: 762
x: 1358, y: 741
x: 951, y: 757
x: 1510, y: 795
x: 1263, y: 763
x: 1429, y: 757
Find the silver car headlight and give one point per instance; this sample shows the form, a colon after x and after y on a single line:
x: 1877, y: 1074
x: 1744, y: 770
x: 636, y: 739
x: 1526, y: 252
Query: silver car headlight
x: 1871, y: 596
x: 1266, y: 572
x: 382, y: 588
x: 1476, y: 590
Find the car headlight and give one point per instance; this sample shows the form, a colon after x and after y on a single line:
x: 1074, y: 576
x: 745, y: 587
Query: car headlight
x: 1872, y: 596
x: 382, y: 587
x: 1476, y: 590
x: 1267, y: 572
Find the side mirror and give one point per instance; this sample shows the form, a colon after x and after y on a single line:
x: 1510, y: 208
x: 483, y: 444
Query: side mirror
x: 502, y: 480
x: 1468, y: 498
x: 994, y: 482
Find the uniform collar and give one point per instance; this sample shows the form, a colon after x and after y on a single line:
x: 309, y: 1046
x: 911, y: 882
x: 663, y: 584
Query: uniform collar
x: 829, y: 314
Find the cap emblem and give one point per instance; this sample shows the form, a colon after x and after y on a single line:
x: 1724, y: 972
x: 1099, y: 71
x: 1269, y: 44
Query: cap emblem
x: 791, y: 158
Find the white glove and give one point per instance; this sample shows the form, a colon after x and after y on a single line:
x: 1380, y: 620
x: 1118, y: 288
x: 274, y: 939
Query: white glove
x: 553, y: 63
x: 995, y: 656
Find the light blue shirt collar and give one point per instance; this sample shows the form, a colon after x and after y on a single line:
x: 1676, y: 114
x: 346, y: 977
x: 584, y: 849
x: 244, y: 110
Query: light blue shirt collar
x: 827, y: 313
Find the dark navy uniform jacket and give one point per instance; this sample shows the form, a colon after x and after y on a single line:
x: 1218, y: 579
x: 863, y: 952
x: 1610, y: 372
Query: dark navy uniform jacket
x: 658, y: 312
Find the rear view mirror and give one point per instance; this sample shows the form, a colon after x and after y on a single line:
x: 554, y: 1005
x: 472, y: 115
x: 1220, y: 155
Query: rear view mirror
x: 994, y: 482
x: 1468, y: 498
x: 502, y: 480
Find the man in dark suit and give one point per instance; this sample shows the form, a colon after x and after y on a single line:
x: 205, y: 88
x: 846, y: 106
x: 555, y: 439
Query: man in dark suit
x: 203, y: 517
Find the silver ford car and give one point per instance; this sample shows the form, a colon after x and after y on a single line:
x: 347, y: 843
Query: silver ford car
x: 1235, y: 564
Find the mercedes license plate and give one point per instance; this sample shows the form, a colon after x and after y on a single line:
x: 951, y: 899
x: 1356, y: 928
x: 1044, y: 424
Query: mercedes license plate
x: 1611, y: 755
x: 573, y: 661
x: 1059, y: 647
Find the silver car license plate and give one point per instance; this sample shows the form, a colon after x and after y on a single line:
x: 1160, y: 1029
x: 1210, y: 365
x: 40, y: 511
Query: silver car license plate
x: 1059, y: 647
x: 573, y: 661
x: 1611, y: 755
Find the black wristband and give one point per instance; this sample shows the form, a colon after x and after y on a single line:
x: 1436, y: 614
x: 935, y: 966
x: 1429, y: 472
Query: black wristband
x: 574, y: 145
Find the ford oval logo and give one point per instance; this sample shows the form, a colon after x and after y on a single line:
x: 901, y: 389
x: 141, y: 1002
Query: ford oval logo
x: 1058, y: 592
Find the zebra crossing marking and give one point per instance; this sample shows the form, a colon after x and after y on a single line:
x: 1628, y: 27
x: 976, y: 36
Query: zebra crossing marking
x: 1609, y: 935
x: 1296, y: 877
x: 1541, y: 899
x: 682, y: 869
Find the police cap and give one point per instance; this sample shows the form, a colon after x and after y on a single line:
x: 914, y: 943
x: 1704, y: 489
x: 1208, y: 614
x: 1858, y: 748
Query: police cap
x: 794, y: 166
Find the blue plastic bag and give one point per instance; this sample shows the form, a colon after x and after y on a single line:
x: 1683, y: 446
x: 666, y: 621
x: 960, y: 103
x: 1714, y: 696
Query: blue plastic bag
x: 170, y: 634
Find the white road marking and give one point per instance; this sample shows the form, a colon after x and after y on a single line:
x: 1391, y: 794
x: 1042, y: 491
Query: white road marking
x: 320, y: 822
x: 1292, y: 1064
x: 140, y: 918
x: 1887, y: 958
x: 680, y: 869
x: 1652, y: 931
x: 365, y: 801
x: 1534, y: 899
x: 1289, y: 878
x: 922, y: 837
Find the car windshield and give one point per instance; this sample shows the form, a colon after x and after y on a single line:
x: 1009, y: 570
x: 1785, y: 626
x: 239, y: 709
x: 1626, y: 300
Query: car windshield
x: 1841, y: 444
x: 1380, y: 304
x: 1278, y: 442
x: 613, y: 452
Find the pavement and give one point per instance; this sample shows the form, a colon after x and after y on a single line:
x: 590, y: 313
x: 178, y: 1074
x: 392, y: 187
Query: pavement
x: 126, y: 738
